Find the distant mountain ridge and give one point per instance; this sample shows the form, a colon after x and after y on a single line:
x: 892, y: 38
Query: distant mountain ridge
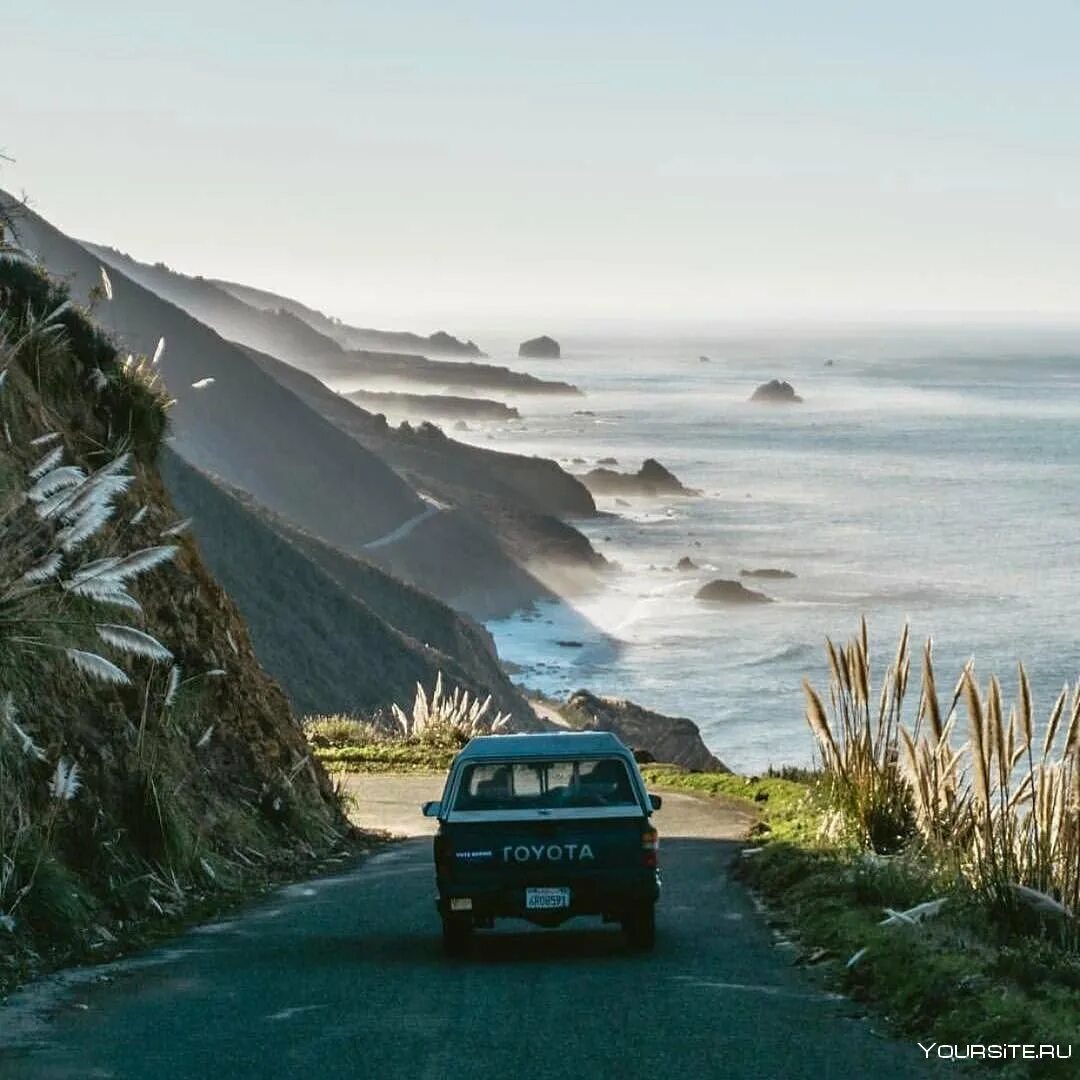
x: 439, y: 343
x: 288, y: 336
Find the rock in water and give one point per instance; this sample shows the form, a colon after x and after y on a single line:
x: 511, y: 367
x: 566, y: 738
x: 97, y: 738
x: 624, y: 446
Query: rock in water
x: 686, y: 564
x: 776, y: 392
x: 670, y: 739
x: 730, y: 592
x: 768, y: 572
x: 651, y: 479
x: 540, y: 348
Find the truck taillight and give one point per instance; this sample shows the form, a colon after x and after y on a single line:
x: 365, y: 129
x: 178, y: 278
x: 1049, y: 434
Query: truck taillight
x: 444, y: 854
x: 650, y: 844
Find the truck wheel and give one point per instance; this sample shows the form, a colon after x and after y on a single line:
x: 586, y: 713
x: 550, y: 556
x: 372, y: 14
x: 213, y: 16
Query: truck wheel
x: 456, y: 934
x: 639, y: 926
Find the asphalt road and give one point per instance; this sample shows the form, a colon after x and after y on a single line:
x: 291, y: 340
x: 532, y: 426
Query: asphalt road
x: 403, y: 530
x: 344, y: 977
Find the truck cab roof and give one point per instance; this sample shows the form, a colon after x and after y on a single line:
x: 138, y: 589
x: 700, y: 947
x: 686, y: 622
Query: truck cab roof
x: 543, y: 744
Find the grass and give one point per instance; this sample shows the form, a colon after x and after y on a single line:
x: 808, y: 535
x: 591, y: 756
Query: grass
x: 1001, y: 811
x: 789, y: 809
x: 424, y: 739
x: 387, y: 756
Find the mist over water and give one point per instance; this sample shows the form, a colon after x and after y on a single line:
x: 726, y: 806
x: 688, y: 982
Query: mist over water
x: 930, y: 475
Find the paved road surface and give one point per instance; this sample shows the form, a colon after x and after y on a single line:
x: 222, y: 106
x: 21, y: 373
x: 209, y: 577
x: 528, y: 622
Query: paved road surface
x: 344, y: 978
x: 404, y: 529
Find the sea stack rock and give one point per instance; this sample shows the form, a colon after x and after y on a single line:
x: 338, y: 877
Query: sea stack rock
x: 651, y: 480
x: 540, y: 348
x: 730, y: 592
x: 776, y: 392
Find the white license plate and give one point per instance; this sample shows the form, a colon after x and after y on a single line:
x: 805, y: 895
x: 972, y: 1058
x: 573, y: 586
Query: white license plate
x: 537, y: 899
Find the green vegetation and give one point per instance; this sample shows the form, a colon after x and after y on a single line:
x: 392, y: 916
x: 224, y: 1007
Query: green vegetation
x: 788, y: 801
x: 386, y: 756
x: 425, y: 739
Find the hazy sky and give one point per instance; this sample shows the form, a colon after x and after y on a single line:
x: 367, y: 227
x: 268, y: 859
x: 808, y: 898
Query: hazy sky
x: 465, y: 164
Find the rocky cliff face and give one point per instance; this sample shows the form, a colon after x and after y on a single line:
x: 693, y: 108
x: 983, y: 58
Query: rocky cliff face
x: 146, y: 760
x: 669, y: 739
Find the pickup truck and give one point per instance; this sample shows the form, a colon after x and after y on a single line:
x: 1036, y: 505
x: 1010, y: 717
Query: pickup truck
x: 545, y: 827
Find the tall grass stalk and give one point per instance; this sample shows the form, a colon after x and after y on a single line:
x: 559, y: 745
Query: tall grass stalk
x: 1002, y: 808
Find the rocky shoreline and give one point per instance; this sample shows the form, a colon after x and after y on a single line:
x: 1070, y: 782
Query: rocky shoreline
x: 673, y: 740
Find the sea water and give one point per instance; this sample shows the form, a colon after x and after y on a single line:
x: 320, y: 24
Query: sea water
x: 931, y: 474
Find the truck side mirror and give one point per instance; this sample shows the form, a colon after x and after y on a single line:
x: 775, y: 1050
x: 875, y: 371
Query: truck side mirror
x: 431, y: 809
x: 655, y: 801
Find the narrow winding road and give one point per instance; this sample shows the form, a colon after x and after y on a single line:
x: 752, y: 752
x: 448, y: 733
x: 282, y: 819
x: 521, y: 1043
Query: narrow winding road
x: 405, y: 528
x: 343, y: 977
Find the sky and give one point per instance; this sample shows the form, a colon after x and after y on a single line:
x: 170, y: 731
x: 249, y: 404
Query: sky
x: 462, y: 165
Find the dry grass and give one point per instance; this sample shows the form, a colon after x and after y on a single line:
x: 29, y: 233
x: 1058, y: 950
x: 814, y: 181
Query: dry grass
x: 1001, y: 809
x: 457, y: 714
x: 426, y: 738
x: 858, y: 740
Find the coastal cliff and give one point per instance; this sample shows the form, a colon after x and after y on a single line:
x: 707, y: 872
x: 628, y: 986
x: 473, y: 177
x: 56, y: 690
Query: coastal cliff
x: 669, y: 739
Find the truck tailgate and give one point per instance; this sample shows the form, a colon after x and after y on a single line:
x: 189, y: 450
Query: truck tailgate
x: 507, y: 853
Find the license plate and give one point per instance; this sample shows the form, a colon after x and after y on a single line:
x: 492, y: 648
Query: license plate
x: 539, y: 899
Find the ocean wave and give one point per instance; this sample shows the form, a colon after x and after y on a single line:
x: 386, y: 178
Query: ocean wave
x: 799, y: 651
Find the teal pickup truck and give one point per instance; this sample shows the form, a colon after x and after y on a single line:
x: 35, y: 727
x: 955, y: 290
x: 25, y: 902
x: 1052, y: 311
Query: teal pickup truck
x: 545, y: 827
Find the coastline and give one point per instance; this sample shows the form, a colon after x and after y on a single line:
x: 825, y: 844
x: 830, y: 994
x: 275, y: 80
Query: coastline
x: 866, y: 492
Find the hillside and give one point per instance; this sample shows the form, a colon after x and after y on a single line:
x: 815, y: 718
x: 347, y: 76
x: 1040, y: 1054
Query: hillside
x: 147, y: 763
x: 248, y: 429
x: 523, y: 499
x: 433, y: 406
x: 355, y: 337
x: 339, y: 635
x: 289, y: 337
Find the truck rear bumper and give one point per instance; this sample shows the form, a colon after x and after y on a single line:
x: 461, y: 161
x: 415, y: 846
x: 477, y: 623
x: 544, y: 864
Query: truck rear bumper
x: 586, y: 898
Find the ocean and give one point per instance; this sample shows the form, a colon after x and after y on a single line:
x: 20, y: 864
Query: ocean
x: 931, y: 475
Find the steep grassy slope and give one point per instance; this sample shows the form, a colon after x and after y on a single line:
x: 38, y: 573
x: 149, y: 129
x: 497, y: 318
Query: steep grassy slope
x: 340, y: 635
x: 158, y: 765
x: 255, y: 434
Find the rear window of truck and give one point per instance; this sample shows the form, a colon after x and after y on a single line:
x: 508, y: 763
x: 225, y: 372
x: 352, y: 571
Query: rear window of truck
x: 528, y: 785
